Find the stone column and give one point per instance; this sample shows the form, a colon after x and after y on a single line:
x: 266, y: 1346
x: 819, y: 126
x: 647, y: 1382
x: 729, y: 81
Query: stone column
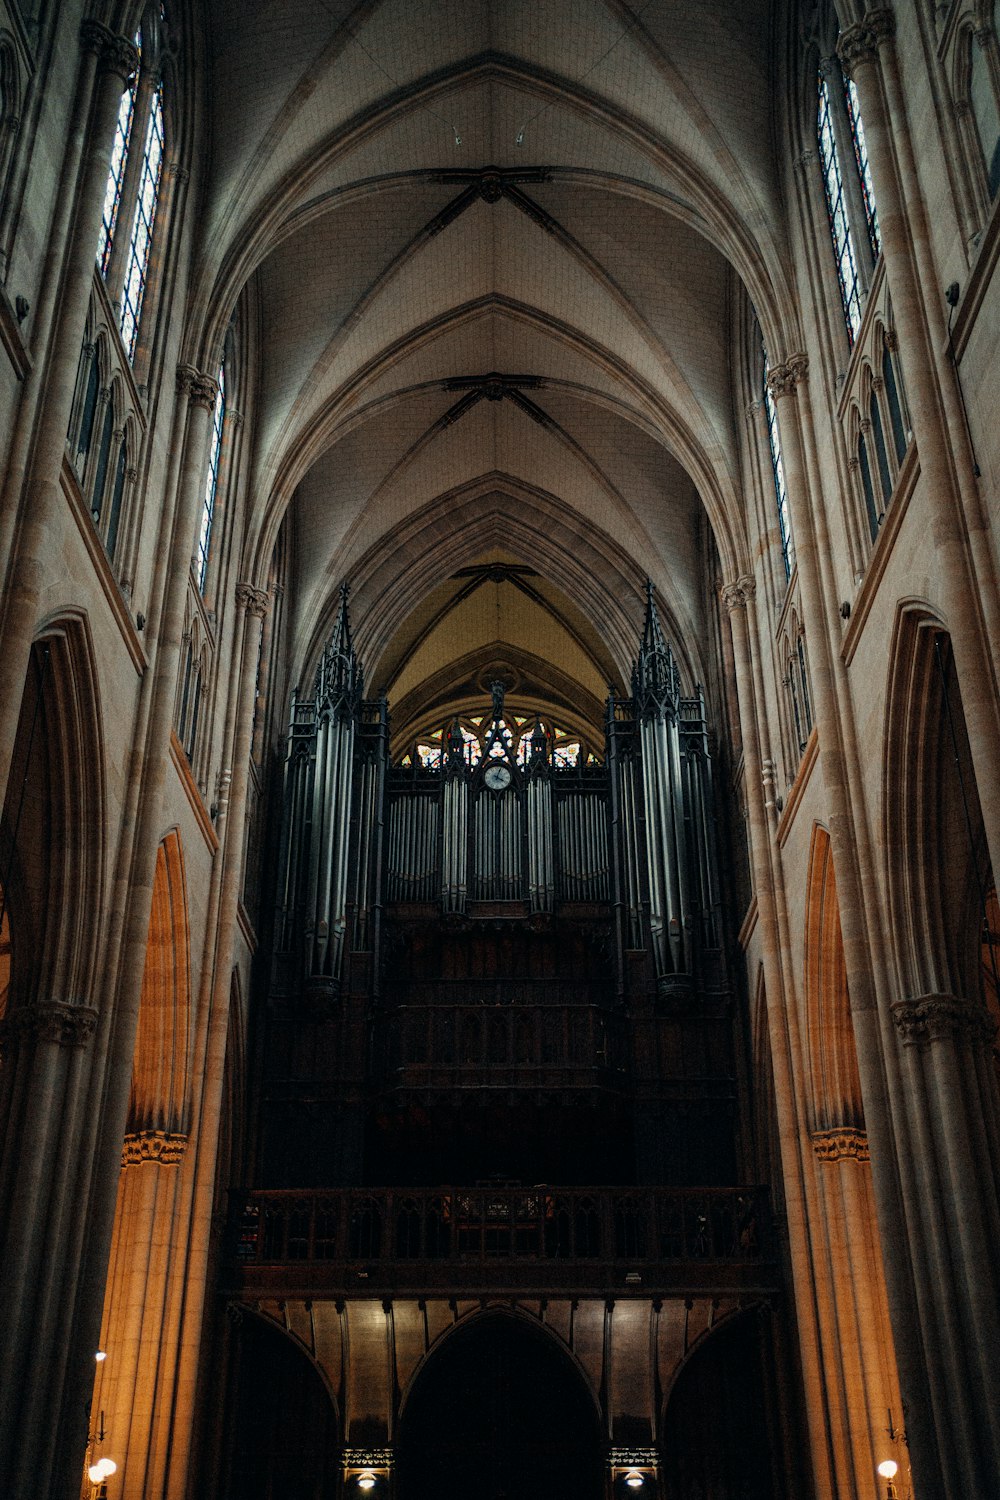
x: 45, y: 1075
x: 128, y: 925
x: 968, y: 593
x: 864, y: 1348
x: 950, y: 1102
x: 737, y: 598
x: 133, y: 1330
x: 171, y: 1477
x: 41, y: 496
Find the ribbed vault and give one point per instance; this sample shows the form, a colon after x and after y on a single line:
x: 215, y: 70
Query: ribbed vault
x: 496, y: 251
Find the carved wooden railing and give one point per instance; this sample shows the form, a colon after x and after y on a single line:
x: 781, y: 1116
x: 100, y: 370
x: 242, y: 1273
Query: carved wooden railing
x: 458, y: 1236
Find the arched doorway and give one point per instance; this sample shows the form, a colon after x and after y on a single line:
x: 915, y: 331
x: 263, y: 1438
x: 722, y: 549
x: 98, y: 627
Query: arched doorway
x: 717, y: 1444
x: 500, y: 1412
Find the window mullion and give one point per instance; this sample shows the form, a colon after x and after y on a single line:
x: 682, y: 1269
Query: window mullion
x: 854, y: 203
x: 115, y: 278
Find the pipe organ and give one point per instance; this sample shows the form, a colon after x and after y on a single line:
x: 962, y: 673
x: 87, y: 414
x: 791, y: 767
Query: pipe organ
x: 417, y: 900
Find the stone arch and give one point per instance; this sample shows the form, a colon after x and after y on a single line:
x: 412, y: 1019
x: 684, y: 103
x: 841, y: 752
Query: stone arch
x: 934, y: 840
x: 835, y: 1085
x: 277, y: 1382
x: 542, y: 1413
x: 159, y: 1096
x: 52, y: 826
x: 720, y: 1384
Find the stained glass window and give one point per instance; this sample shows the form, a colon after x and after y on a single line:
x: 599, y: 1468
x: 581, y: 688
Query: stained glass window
x: 778, y: 473
x: 837, y: 212
x: 116, y: 174
x: 142, y: 224
x: 211, y: 480
x: 864, y: 170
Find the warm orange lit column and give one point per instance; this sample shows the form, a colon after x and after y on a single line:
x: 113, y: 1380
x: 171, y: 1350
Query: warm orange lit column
x: 169, y: 1473
x: 738, y: 598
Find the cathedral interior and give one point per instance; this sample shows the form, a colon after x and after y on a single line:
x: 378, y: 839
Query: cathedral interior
x: 499, y: 746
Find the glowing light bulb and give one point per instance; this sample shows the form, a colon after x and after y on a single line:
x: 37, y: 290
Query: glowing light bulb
x: 366, y: 1482
x: 888, y: 1468
x: 634, y: 1479
x: 101, y: 1354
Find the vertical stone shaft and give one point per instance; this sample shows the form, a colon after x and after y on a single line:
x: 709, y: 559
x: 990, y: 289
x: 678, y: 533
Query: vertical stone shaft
x: 209, y: 1065
x: 937, y: 439
x: 42, y: 495
x: 776, y: 967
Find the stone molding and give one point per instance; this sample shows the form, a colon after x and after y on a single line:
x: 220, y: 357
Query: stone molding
x: 738, y: 594
x: 934, y: 1018
x: 115, y: 54
x: 253, y: 600
x: 201, y: 390
x: 51, y: 1021
x: 164, y: 1146
x: 782, y: 379
x: 846, y: 1143
x: 860, y: 43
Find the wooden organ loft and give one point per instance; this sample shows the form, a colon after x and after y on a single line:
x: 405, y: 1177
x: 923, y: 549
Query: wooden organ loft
x: 498, y: 1055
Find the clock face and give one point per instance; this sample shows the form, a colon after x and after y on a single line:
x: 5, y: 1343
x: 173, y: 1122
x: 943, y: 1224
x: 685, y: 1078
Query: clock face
x: 497, y: 777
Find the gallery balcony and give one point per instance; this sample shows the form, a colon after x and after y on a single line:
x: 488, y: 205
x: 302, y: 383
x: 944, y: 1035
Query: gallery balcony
x: 620, y: 1241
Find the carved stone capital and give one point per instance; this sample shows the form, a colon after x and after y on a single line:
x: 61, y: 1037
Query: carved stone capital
x: 233, y: 417
x: 806, y: 159
x: 753, y: 410
x: 782, y: 379
x: 164, y: 1146
x: 860, y: 43
x: 253, y: 600
x: 844, y: 1144
x: 738, y: 594
x: 177, y: 172
x: 50, y: 1021
x: 201, y: 390
x: 934, y: 1018
x: 115, y: 54
x: 982, y: 35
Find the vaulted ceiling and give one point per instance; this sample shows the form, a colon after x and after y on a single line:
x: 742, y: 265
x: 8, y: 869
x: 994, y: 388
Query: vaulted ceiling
x: 494, y: 249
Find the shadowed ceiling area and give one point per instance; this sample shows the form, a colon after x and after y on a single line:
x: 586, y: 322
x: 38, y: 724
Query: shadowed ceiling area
x: 495, y: 254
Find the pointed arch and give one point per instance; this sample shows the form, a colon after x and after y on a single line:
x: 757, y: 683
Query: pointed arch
x: 835, y: 1085
x: 936, y: 861
x: 160, y: 1062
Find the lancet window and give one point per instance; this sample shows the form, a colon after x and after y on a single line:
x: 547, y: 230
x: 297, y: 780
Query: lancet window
x: 847, y: 182
x: 133, y: 189
x: 141, y: 239
x: 211, y: 481
x: 778, y: 475
x: 116, y: 172
x: 881, y: 435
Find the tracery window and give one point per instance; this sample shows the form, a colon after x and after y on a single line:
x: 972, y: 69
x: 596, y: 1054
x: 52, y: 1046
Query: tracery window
x: 116, y: 173
x: 211, y: 481
x: 133, y: 188
x: 142, y: 225
x: 566, y: 749
x: 837, y: 213
x: 778, y: 475
x: 881, y: 435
